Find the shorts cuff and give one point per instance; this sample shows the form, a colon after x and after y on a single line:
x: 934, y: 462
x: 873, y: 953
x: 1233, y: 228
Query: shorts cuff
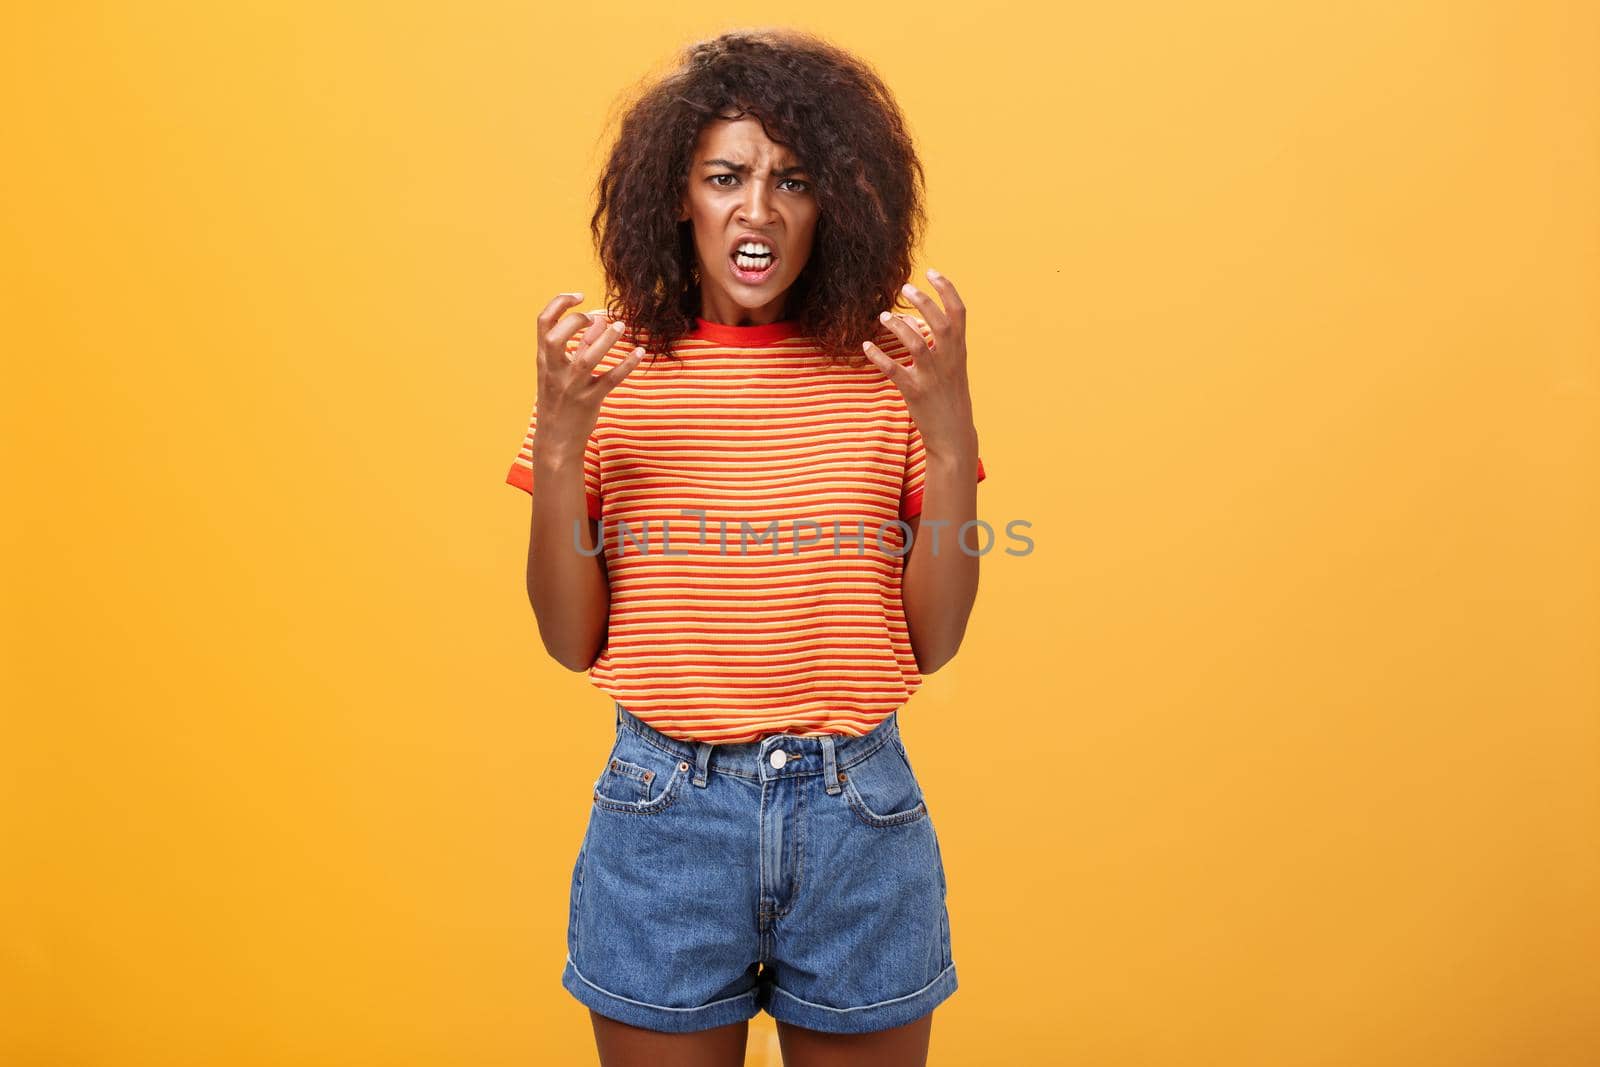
x: 788, y: 1008
x: 733, y: 1009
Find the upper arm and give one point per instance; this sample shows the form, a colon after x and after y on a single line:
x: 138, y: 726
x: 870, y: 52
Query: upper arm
x: 594, y: 539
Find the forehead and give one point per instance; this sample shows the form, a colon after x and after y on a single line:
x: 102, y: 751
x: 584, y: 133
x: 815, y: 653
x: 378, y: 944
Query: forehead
x: 741, y: 140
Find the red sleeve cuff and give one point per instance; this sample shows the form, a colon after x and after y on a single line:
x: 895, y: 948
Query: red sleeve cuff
x: 912, y: 504
x: 522, y: 478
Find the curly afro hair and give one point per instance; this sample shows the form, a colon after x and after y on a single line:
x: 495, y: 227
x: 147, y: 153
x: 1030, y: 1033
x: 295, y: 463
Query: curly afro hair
x: 838, y: 118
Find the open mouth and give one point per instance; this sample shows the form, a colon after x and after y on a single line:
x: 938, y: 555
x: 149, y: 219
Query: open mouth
x: 749, y: 274
x: 752, y: 261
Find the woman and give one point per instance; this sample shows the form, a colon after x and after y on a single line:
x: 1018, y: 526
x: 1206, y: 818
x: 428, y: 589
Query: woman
x: 758, y: 604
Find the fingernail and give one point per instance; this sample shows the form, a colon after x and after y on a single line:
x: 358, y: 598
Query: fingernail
x: 909, y: 289
x: 884, y: 316
x: 934, y: 274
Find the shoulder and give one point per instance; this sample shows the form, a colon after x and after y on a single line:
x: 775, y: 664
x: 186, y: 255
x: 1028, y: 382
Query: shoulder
x: 923, y: 328
x: 892, y: 344
x: 619, y: 349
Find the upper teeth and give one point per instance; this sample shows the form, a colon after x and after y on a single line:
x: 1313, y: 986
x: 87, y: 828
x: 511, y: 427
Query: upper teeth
x: 754, y: 249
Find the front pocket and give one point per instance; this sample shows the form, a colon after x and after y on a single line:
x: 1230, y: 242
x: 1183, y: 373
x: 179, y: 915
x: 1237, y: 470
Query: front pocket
x: 882, y: 789
x: 639, y: 779
x: 624, y: 782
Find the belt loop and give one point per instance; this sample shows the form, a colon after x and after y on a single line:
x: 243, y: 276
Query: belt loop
x: 617, y: 704
x: 702, y: 757
x: 830, y: 766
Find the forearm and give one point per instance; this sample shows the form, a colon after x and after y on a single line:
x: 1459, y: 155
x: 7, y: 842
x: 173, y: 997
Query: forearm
x: 567, y: 583
x: 940, y: 580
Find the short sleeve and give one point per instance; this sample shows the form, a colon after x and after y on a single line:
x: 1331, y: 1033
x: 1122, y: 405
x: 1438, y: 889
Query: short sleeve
x: 916, y: 469
x: 521, y: 472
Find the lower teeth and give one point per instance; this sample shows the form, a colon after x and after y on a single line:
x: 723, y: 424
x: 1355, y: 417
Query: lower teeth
x: 753, y: 264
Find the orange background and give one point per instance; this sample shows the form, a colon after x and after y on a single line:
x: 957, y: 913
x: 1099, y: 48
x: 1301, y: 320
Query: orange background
x: 1280, y: 749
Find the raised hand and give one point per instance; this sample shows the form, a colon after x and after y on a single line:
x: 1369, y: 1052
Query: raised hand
x: 935, y: 386
x: 567, y: 403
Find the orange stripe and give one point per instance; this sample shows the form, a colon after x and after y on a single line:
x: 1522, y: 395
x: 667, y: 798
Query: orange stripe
x: 752, y: 425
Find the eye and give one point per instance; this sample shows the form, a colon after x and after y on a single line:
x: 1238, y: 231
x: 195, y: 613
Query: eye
x: 716, y: 179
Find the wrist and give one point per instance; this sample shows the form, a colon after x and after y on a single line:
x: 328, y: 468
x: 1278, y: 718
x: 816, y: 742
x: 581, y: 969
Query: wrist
x: 553, y: 457
x: 960, y: 449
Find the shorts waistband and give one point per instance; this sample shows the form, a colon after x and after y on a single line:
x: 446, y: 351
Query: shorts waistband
x: 758, y: 760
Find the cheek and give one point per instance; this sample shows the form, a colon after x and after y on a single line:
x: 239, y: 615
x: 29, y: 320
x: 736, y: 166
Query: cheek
x: 708, y: 239
x: 810, y: 230
x: 804, y: 249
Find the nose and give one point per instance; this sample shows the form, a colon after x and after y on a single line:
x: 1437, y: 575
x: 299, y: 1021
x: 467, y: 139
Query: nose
x: 756, y: 209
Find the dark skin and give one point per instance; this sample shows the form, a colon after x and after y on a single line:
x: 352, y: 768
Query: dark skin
x: 622, y: 1045
x: 740, y: 182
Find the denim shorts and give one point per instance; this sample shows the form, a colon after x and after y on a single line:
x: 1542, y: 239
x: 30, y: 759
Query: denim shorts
x: 800, y: 875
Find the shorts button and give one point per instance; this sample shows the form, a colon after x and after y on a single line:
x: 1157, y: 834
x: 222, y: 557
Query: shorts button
x: 779, y: 757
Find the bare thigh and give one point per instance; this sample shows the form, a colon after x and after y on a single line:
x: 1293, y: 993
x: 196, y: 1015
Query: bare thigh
x: 622, y: 1045
x: 901, y: 1046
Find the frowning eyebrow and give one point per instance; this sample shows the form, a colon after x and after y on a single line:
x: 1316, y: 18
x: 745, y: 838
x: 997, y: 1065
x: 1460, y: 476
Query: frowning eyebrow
x: 744, y: 168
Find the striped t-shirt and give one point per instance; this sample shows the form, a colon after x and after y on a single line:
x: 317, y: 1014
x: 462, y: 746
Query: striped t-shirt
x: 801, y: 630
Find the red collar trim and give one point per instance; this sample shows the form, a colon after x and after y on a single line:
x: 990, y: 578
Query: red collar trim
x: 744, y: 336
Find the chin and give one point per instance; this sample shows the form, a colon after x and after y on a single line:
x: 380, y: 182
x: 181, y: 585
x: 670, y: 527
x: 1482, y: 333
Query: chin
x: 743, y: 300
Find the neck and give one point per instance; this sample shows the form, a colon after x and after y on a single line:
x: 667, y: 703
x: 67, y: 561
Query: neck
x: 715, y: 306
